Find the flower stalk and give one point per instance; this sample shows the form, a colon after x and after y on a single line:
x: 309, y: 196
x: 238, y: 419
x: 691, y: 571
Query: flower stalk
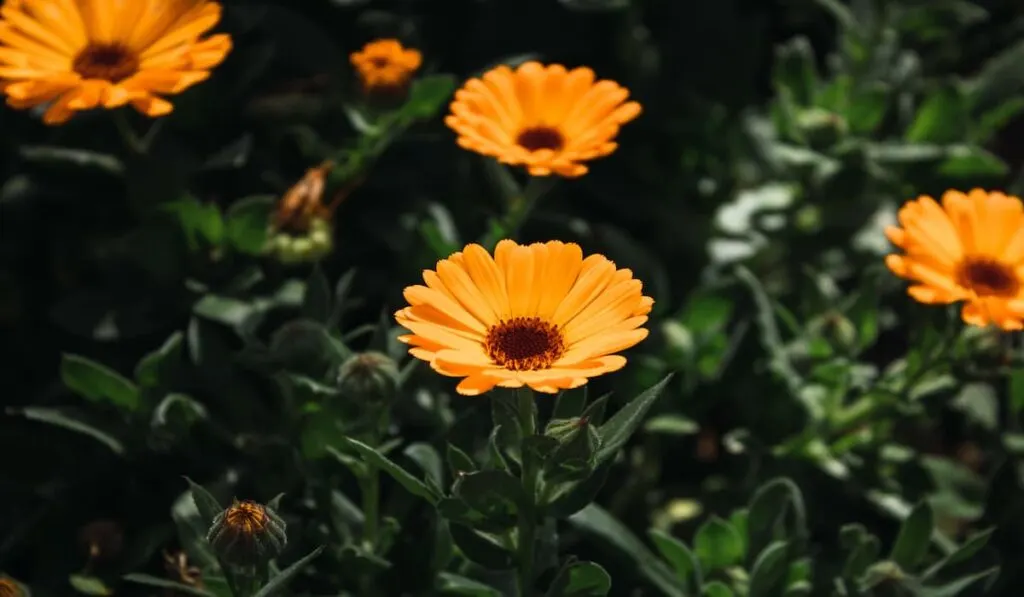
x: 527, y: 523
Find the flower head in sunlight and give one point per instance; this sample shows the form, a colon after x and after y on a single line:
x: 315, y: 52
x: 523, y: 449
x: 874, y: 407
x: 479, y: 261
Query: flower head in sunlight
x: 970, y: 248
x: 385, y: 65
x: 545, y: 118
x: 83, y: 54
x: 538, y: 315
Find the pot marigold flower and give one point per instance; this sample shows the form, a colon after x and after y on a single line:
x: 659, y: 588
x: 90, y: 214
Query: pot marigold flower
x: 538, y: 315
x: 83, y: 54
x: 545, y: 118
x: 971, y: 249
x: 385, y: 65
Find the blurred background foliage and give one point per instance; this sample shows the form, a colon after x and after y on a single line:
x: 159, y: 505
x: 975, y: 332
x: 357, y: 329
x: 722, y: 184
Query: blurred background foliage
x: 146, y: 338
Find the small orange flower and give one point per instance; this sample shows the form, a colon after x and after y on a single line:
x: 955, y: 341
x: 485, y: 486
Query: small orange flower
x: 971, y: 249
x: 538, y: 315
x: 545, y: 118
x: 82, y: 54
x: 385, y: 65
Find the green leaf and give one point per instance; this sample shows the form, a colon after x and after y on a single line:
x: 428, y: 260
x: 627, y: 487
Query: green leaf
x: 201, y: 222
x: 570, y: 403
x: 679, y: 556
x: 964, y: 553
x: 453, y: 584
x: 767, y: 509
x: 71, y: 422
x: 571, y: 497
x: 867, y: 109
x: 481, y: 548
x: 618, y: 429
x: 955, y: 588
x: 285, y: 576
x: 206, y: 504
x: 496, y: 495
x: 769, y: 570
x: 580, y: 579
x: 671, y: 425
x: 428, y: 95
x: 374, y: 458
x: 795, y: 71
x: 969, y: 161
x: 89, y: 585
x: 941, y: 118
x: 717, y: 589
x: 316, y: 302
x: 914, y: 537
x: 994, y: 120
x: 599, y: 523
x: 97, y: 383
x: 150, y: 369
x: 999, y: 80
x: 459, y: 461
x: 247, y: 221
x: 717, y: 545
x: 341, y: 296
x: 163, y: 583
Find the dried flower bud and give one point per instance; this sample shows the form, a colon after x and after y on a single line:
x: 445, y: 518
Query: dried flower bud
x: 9, y: 588
x: 102, y: 539
x: 247, y: 533
x: 370, y: 376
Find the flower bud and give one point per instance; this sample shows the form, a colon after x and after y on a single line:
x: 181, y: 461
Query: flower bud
x: 822, y: 128
x: 370, y: 376
x: 838, y: 330
x: 247, y: 534
x: 304, y: 346
x: 9, y: 588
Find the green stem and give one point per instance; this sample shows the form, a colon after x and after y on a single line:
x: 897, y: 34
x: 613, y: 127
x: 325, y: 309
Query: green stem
x: 519, y: 210
x: 371, y: 507
x: 526, y: 535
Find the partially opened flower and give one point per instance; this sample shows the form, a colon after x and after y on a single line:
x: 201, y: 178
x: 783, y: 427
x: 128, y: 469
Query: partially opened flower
x: 83, y: 54
x: 538, y: 315
x: 545, y: 118
x: 385, y: 65
x: 971, y: 249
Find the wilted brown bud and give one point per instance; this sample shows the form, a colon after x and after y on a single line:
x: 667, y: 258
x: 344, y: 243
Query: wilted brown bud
x: 102, y: 539
x: 247, y: 533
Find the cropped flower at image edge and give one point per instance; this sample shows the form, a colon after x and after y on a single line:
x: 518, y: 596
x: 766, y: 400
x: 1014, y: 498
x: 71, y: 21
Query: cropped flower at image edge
x: 970, y: 248
x: 546, y: 118
x: 83, y: 54
x: 536, y: 315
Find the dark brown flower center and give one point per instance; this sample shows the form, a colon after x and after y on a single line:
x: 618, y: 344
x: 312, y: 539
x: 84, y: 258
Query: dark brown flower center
x: 110, y: 62
x: 380, y: 61
x: 246, y: 518
x: 540, y: 137
x: 988, y: 277
x: 524, y: 344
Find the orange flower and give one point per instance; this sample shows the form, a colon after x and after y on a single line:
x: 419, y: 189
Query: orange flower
x: 971, y: 249
x: 385, y: 65
x: 83, y: 54
x: 542, y: 117
x: 538, y: 315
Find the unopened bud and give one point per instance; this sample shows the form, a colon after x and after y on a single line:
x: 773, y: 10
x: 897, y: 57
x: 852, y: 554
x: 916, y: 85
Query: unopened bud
x: 821, y: 128
x: 247, y: 533
x: 839, y: 330
x: 371, y: 376
x: 578, y: 442
x: 304, y: 346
